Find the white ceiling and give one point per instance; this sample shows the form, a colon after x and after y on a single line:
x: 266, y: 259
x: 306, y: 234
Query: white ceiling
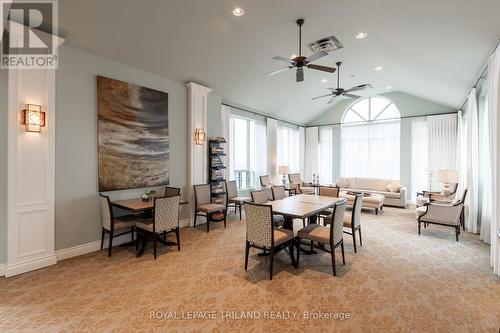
x: 433, y: 49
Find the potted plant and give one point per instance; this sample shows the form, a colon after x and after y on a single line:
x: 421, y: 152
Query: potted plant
x: 148, y: 195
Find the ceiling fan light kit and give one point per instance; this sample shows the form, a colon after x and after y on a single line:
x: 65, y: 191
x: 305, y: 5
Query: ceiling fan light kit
x: 300, y: 61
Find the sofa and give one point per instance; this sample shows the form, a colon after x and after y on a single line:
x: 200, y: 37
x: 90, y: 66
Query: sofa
x: 395, y: 198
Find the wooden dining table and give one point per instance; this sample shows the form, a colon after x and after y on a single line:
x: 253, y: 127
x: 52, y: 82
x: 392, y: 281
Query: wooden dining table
x: 137, y: 205
x: 302, y: 206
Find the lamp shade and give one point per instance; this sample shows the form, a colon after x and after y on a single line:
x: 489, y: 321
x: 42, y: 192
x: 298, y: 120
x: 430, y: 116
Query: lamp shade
x: 283, y: 169
x: 446, y: 176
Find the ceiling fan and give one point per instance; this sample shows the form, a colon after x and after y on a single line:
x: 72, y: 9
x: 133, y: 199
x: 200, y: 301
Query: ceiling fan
x: 299, y: 62
x: 335, y: 92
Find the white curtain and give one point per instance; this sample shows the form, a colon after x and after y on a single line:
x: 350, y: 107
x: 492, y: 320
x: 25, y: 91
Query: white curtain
x: 225, y: 112
x: 471, y: 203
x: 484, y: 165
x: 442, y: 143
x: 311, y: 160
x: 288, y: 148
x: 258, y: 151
x: 325, y: 162
x: 272, y: 150
x: 494, y: 139
x: 302, y: 150
x: 461, y: 162
x: 371, y: 150
x: 419, y: 157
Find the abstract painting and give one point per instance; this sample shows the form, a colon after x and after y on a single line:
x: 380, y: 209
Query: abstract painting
x: 133, y: 135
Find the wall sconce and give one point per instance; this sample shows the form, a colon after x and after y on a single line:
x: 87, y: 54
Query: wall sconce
x: 199, y: 136
x: 33, y: 118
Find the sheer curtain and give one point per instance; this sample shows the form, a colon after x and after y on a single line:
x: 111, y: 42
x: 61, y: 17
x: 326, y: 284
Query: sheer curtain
x: 371, y: 150
x: 484, y: 168
x: 288, y: 148
x: 471, y: 202
x: 442, y: 143
x: 258, y: 151
x: 325, y: 162
x: 311, y: 160
x: 272, y: 150
x: 494, y: 139
x: 419, y: 157
x: 302, y: 151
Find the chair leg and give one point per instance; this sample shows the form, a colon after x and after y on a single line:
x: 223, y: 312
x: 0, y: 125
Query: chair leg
x: 247, y: 249
x: 132, y: 230
x: 297, y: 245
x: 343, y: 256
x: 271, y: 257
x: 110, y: 243
x: 376, y: 211
x: 177, y: 235
x: 457, y: 231
x: 102, y: 238
x: 239, y: 208
x: 419, y: 227
x: 333, y: 259
x: 354, y: 239
x: 155, y: 236
x: 209, y: 216
x: 292, y: 256
x: 225, y: 214
x: 312, y: 246
x: 360, y: 240
x: 303, y: 223
x: 195, y: 215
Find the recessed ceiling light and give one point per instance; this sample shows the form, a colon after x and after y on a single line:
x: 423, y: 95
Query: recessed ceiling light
x: 238, y: 11
x: 361, y: 35
x: 324, y: 81
x: 378, y: 68
x: 389, y: 87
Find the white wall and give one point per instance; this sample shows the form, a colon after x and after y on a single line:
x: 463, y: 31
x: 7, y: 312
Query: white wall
x: 3, y: 166
x: 76, y: 209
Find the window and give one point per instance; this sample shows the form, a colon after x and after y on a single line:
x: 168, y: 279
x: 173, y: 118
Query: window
x: 248, y: 156
x: 288, y: 148
x: 325, y: 158
x: 371, y: 139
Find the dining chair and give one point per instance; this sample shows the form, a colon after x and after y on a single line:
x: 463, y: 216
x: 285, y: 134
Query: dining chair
x: 328, y: 191
x: 352, y: 221
x: 278, y: 192
x: 260, y: 197
x: 171, y: 191
x: 232, y: 197
x: 261, y: 234
x: 266, y: 185
x: 331, y: 235
x: 114, y: 226
x: 204, y: 207
x: 165, y: 220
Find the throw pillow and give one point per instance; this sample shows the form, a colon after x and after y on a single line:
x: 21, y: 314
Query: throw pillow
x: 342, y: 182
x: 394, y: 187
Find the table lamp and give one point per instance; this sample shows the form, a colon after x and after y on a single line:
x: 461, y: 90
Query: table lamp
x: 283, y: 170
x: 446, y: 177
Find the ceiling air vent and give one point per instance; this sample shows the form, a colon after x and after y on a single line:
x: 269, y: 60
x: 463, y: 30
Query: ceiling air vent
x: 327, y: 44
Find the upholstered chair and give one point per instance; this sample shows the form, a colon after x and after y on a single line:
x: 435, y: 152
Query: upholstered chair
x: 260, y: 197
x: 232, y: 197
x: 449, y: 215
x: 114, y: 226
x: 204, y: 206
x: 352, y: 221
x: 328, y: 191
x: 266, y: 185
x: 331, y: 235
x: 278, y: 192
x: 165, y: 220
x: 425, y: 197
x: 262, y: 235
x: 299, y: 185
x: 171, y: 191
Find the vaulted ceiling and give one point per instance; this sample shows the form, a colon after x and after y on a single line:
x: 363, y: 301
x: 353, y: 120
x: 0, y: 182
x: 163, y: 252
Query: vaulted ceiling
x: 433, y: 49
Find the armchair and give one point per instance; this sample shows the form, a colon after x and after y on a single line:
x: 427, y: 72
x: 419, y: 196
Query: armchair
x: 299, y: 185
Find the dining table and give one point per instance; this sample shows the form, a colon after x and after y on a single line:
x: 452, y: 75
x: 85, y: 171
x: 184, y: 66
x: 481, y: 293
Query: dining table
x: 146, y: 209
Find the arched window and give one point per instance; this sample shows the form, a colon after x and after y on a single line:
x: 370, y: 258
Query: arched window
x: 371, y: 139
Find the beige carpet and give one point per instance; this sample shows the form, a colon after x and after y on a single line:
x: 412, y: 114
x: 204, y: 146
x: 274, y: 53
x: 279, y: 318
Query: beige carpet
x: 398, y: 281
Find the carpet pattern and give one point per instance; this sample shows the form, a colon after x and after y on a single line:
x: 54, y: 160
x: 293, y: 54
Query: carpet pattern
x: 397, y: 282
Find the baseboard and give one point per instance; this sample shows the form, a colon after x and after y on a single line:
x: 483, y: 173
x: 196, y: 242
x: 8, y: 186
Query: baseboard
x: 184, y: 223
x: 31, y: 265
x: 2, y: 269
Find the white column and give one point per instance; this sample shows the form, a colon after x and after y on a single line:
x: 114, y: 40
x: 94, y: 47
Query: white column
x: 197, y: 118
x: 31, y: 167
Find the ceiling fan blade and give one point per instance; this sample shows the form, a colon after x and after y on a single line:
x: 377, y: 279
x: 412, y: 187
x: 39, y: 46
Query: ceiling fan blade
x: 351, y: 96
x: 331, y: 99
x: 284, y: 59
x: 279, y: 70
x: 360, y: 87
x: 318, y: 97
x: 322, y: 68
x: 316, y: 56
x: 299, y: 75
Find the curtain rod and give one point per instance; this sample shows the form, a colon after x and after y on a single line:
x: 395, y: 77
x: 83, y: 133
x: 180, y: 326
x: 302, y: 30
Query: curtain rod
x: 479, y: 78
x: 406, y: 117
x: 262, y: 115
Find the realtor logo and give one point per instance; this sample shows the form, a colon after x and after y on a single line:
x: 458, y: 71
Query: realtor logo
x: 29, y: 34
